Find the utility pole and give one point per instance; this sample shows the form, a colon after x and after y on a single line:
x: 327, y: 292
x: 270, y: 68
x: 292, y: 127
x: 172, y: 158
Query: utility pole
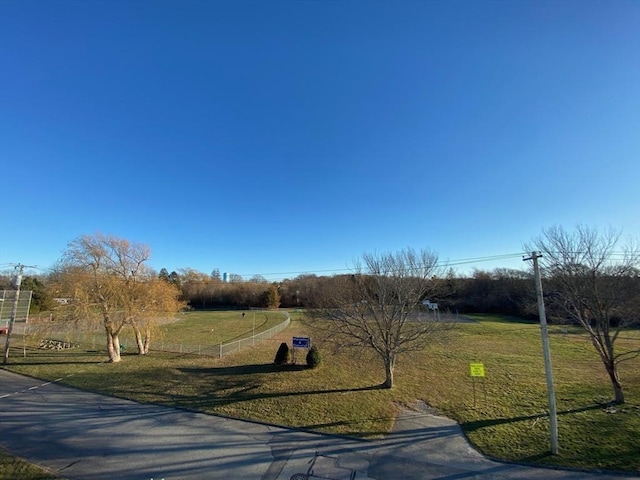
x: 14, y: 311
x: 553, y: 415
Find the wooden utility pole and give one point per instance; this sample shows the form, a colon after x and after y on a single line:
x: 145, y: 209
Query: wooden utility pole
x: 553, y: 415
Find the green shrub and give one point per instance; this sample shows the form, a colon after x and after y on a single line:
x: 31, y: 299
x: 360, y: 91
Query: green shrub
x: 313, y: 357
x: 283, y: 356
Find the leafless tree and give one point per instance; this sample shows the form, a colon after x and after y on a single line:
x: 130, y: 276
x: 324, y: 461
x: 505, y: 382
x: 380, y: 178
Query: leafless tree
x: 379, y: 305
x: 595, y: 281
x: 258, y: 279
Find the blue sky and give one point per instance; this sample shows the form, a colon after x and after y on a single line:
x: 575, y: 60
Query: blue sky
x: 283, y: 136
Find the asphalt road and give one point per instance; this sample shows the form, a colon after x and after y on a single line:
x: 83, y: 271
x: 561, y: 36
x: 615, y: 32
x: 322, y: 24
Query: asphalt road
x: 85, y: 436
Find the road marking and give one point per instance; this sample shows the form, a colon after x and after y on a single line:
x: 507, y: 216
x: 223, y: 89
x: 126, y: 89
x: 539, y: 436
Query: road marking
x: 34, y: 387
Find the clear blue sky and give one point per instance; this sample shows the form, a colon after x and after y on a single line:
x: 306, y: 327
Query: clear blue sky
x: 293, y: 136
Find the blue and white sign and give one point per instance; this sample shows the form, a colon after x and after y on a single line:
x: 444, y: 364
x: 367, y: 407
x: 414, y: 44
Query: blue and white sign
x: 301, y: 342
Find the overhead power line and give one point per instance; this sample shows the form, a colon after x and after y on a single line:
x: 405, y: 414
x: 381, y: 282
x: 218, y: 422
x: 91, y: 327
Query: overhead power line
x: 440, y: 264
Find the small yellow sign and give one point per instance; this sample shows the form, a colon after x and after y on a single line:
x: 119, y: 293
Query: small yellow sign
x: 476, y: 369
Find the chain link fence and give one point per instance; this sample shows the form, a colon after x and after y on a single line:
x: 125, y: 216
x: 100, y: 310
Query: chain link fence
x: 223, y: 349
x: 92, y: 337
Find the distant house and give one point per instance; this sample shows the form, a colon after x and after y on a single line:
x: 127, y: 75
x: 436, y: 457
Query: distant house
x: 429, y: 305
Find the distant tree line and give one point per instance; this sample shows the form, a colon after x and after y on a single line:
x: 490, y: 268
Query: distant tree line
x: 503, y: 291
x: 203, y: 291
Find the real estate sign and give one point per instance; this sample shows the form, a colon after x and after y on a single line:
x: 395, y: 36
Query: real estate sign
x: 301, y: 342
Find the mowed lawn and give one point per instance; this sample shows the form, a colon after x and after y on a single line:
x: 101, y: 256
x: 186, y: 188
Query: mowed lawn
x: 216, y: 327
x: 505, y: 418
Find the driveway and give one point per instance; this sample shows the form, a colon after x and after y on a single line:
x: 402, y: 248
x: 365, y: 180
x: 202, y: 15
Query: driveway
x: 85, y: 436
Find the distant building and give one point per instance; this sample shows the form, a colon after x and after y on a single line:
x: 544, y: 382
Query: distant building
x: 429, y: 305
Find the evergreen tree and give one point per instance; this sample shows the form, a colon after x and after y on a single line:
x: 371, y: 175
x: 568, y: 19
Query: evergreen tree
x: 164, y: 275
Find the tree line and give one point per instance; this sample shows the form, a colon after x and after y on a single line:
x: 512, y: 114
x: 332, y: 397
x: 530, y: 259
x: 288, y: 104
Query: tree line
x: 504, y: 291
x: 500, y: 291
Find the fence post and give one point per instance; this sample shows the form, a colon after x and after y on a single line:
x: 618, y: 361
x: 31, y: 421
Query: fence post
x: 220, y: 350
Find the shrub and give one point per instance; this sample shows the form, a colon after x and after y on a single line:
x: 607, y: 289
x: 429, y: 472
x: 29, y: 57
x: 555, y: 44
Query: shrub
x: 313, y: 357
x: 283, y: 356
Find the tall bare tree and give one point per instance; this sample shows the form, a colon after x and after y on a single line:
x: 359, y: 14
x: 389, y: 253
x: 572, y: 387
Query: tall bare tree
x: 595, y: 281
x: 108, y: 280
x: 379, y: 306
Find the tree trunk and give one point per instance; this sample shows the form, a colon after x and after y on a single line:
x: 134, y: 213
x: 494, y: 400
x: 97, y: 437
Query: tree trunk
x: 612, y: 370
x: 113, y: 347
x: 139, y: 341
x: 147, y: 341
x: 389, y: 364
x: 604, y: 347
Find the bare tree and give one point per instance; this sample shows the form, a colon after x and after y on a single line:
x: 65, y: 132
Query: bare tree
x: 108, y: 280
x: 235, y: 278
x: 379, y: 306
x: 595, y: 285
x: 258, y: 279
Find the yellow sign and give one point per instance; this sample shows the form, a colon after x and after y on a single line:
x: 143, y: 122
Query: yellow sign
x: 476, y: 369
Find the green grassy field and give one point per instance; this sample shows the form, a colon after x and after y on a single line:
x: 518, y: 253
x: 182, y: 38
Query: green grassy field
x: 504, y: 419
x: 13, y: 468
x: 215, y: 327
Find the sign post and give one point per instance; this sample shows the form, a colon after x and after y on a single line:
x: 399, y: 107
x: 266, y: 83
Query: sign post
x: 477, y: 370
x: 300, y: 342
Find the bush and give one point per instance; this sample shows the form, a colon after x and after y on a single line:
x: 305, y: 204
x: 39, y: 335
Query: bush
x: 313, y: 357
x: 283, y: 356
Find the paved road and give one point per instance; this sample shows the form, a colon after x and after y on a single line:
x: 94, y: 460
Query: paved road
x: 85, y: 436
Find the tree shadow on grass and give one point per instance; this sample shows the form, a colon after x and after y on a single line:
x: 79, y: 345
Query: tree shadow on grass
x: 246, y: 369
x: 478, y: 424
x: 57, y: 357
x: 230, y: 379
x: 34, y: 364
x: 234, y: 385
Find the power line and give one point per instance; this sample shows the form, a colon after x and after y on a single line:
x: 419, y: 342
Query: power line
x: 441, y: 264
